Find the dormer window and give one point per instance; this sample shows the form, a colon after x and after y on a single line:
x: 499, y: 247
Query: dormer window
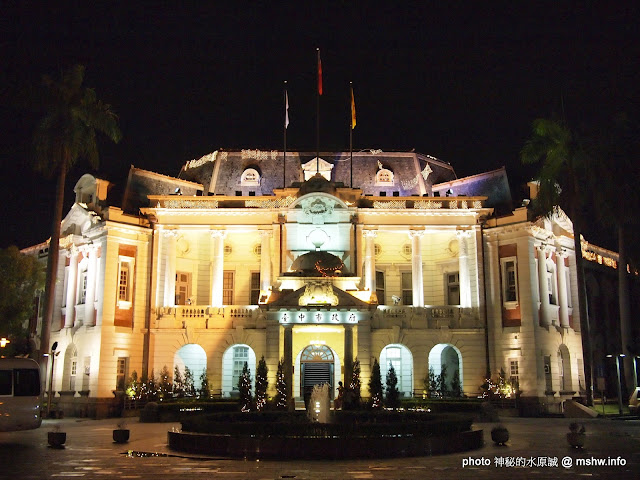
x: 250, y: 178
x: 384, y: 177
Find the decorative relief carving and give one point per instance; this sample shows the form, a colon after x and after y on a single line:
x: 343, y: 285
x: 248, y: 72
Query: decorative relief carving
x: 318, y: 293
x: 318, y: 208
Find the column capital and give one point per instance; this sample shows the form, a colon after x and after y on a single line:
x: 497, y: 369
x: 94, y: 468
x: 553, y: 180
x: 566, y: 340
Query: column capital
x: 170, y: 233
x: 415, y: 233
x: 463, y: 233
x: 263, y: 233
x: 370, y: 233
x: 72, y: 251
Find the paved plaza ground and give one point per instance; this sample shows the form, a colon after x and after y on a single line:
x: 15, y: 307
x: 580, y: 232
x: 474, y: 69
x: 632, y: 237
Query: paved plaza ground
x: 537, y: 449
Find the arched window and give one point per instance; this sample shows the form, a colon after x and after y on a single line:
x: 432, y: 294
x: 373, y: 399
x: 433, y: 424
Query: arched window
x: 250, y: 178
x: 193, y: 357
x: 445, y: 361
x: 384, y: 177
x: 233, y: 362
x: 399, y: 357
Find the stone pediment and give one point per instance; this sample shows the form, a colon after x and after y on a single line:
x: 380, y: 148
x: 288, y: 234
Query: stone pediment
x: 319, y: 294
x: 317, y: 165
x: 78, y: 220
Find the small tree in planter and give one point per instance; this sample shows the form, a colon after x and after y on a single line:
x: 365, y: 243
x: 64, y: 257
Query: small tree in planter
x: 56, y: 438
x: 375, y: 386
x: 204, y: 392
x: 577, y: 435
x: 261, y: 384
x: 392, y: 397
x: 281, y: 388
x: 121, y: 433
x: 244, y: 387
x: 500, y: 435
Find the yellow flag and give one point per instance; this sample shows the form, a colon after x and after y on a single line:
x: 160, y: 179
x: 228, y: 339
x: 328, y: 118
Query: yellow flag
x: 353, y: 111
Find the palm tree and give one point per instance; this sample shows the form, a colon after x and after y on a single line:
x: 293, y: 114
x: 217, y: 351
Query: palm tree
x: 564, y: 168
x: 617, y: 204
x: 66, y: 132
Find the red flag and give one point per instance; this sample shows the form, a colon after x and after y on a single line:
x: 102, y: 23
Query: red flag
x: 319, y: 74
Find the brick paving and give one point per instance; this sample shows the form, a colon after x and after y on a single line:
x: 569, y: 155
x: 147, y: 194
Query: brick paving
x: 91, y: 454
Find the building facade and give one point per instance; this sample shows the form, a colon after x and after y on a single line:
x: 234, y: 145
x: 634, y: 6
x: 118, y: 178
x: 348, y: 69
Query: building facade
x: 316, y: 262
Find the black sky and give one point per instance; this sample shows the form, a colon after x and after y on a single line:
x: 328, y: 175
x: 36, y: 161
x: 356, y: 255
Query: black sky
x: 460, y: 82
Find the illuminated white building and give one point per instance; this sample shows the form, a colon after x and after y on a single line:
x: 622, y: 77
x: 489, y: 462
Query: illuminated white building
x: 238, y: 257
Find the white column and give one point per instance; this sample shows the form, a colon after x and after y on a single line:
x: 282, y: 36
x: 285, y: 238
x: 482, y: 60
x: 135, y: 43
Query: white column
x: 217, y: 274
x: 89, y: 304
x: 416, y: 268
x: 562, y: 289
x: 544, y: 287
x: 265, y: 259
x: 370, y: 260
x: 72, y: 287
x: 464, y: 276
x: 170, y: 269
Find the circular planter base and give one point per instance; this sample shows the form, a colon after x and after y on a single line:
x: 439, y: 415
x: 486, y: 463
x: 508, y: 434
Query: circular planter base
x: 323, y: 448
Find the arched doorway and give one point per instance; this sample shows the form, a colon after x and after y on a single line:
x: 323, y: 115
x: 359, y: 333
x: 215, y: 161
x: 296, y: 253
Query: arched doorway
x: 317, y: 366
x: 564, y: 369
x: 446, y: 359
x: 193, y: 357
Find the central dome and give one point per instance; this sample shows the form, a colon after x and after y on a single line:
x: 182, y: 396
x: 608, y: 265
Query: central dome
x: 318, y: 264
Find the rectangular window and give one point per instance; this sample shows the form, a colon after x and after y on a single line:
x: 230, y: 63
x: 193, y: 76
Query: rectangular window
x: 509, y: 281
x: 453, y: 288
x: 123, y: 285
x: 122, y: 366
x: 72, y: 374
x: 254, y: 297
x: 82, y: 288
x: 125, y: 281
x: 407, y: 289
x: 240, y: 356
x: 227, y: 288
x: 183, y: 288
x: 552, y: 284
x: 394, y: 359
x: 514, y: 374
x: 380, y: 287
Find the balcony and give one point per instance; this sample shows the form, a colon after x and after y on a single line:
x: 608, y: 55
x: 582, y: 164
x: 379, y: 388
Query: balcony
x: 208, y: 317
x: 430, y: 317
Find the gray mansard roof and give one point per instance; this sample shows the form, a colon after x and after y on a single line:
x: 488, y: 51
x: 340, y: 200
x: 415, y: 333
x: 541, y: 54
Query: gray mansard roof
x: 221, y: 173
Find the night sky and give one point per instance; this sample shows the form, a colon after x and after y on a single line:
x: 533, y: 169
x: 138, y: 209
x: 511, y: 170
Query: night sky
x: 460, y: 83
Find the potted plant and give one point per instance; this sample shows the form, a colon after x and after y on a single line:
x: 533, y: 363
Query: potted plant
x: 576, y: 436
x: 56, y: 438
x: 500, y: 435
x: 121, y: 433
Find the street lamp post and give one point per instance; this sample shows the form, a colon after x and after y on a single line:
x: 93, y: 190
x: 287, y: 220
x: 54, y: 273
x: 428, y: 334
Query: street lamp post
x: 619, y: 382
x: 53, y: 356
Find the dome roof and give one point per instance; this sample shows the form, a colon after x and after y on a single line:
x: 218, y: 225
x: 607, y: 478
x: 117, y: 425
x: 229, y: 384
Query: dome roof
x: 318, y: 263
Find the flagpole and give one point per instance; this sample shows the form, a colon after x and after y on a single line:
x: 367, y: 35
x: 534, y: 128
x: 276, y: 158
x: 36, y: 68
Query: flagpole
x: 318, y: 93
x: 286, y: 124
x: 351, y: 133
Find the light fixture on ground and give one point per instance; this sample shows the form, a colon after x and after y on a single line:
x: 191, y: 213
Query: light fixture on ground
x: 617, y: 357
